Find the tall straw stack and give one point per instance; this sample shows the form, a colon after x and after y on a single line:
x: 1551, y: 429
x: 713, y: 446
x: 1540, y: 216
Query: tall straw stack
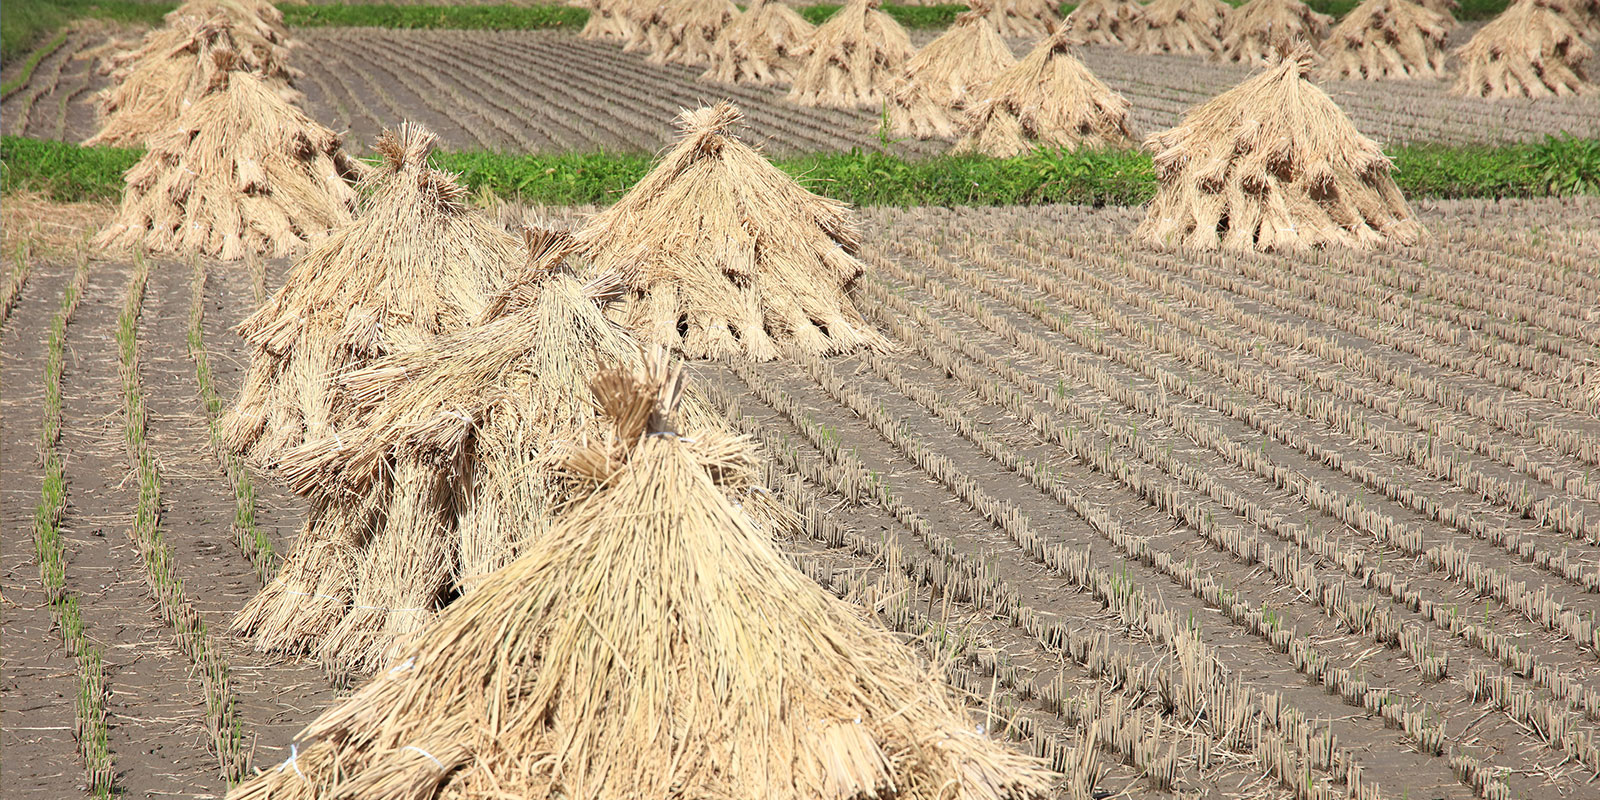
x: 852, y: 59
x: 417, y: 262
x: 1273, y: 164
x: 723, y: 254
x: 947, y: 74
x: 240, y: 171
x: 1182, y: 27
x: 762, y: 47
x: 1049, y: 99
x: 1023, y: 18
x: 1530, y: 50
x: 653, y: 645
x: 1108, y: 22
x: 1386, y: 40
x: 684, y: 31
x: 1256, y: 31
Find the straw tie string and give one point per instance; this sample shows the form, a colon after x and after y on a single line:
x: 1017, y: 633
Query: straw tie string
x: 294, y: 761
x: 426, y: 754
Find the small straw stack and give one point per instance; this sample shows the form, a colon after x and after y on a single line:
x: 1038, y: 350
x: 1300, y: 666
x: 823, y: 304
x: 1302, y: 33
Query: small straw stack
x: 1386, y: 40
x: 1530, y: 50
x: 1181, y: 27
x: 722, y: 254
x: 762, y: 47
x: 611, y: 20
x: 241, y: 171
x: 1256, y: 31
x: 1108, y: 22
x: 1049, y: 99
x: 852, y: 59
x: 1020, y: 19
x: 947, y: 74
x: 417, y: 263
x: 654, y: 644
x: 1273, y: 164
x: 684, y: 31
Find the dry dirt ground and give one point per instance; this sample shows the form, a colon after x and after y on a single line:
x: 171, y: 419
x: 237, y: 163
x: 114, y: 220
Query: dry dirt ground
x: 549, y: 91
x: 1265, y: 524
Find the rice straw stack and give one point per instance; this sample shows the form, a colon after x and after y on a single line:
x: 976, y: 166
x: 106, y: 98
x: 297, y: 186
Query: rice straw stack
x: 1108, y: 22
x: 722, y: 254
x: 240, y: 171
x: 1257, y: 30
x: 1022, y: 18
x: 946, y: 75
x: 1386, y: 40
x: 762, y: 47
x: 1530, y: 50
x: 1273, y: 164
x: 611, y: 20
x: 653, y: 645
x: 1049, y: 99
x: 684, y: 31
x: 1180, y: 27
x: 852, y: 59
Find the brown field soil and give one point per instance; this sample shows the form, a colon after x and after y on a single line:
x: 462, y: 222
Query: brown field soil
x: 550, y: 91
x: 1359, y: 492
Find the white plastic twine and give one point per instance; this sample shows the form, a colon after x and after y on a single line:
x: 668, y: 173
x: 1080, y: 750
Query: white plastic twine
x: 428, y: 755
x: 294, y: 761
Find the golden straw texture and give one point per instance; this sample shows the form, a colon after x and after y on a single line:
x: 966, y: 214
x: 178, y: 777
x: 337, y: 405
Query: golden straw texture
x: 1182, y: 27
x: 1386, y: 40
x: 852, y: 59
x: 684, y: 31
x: 1256, y: 31
x: 762, y: 47
x: 1021, y: 19
x: 946, y: 75
x: 1109, y: 22
x: 1530, y: 50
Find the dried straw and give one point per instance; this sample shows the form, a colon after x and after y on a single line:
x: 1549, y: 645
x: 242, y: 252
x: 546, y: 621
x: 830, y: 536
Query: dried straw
x: 1020, y: 19
x: 1181, y: 27
x: 1256, y: 31
x: 1048, y: 99
x: 684, y: 31
x: 1386, y: 40
x: 1109, y: 22
x: 948, y: 74
x: 1583, y: 14
x: 240, y: 171
x: 1273, y: 164
x: 611, y: 20
x: 654, y: 644
x: 1530, y: 50
x: 762, y: 47
x: 723, y: 254
x: 852, y: 59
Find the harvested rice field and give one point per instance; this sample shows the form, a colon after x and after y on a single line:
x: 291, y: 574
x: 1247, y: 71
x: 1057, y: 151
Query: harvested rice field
x: 1255, y: 526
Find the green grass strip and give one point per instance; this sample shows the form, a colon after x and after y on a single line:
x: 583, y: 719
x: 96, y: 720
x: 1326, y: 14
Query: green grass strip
x: 1557, y: 166
x: 25, y: 73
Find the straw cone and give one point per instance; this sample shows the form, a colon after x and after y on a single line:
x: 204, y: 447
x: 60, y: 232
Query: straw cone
x: 762, y: 47
x: 240, y: 171
x: 1446, y: 7
x: 1110, y: 22
x: 852, y: 59
x: 1019, y: 19
x: 653, y: 645
x: 258, y: 26
x: 1257, y: 30
x: 946, y: 75
x: 1182, y: 27
x: 723, y: 254
x: 1049, y: 99
x: 1386, y: 40
x: 1530, y: 50
x: 611, y: 20
x: 1273, y: 164
x: 684, y: 31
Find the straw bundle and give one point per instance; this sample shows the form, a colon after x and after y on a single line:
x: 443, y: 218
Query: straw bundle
x: 1182, y: 26
x: 1048, y: 99
x: 1110, y: 22
x: 258, y: 25
x: 1583, y: 14
x: 852, y: 59
x: 1023, y: 18
x: 1386, y: 40
x: 1257, y: 30
x: 724, y: 254
x: 1529, y: 50
x: 241, y: 171
x: 683, y: 31
x: 944, y: 76
x: 1446, y: 7
x: 611, y: 20
x: 653, y: 645
x: 762, y: 47
x: 1273, y: 164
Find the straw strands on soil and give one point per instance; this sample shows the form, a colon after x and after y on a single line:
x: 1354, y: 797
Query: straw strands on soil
x: 653, y: 645
x: 852, y: 59
x: 762, y: 46
x: 240, y: 171
x: 684, y: 31
x: 1023, y: 18
x: 1108, y: 22
x: 1257, y: 30
x: 1387, y: 40
x: 1182, y: 26
x: 1273, y: 164
x: 1529, y: 50
x: 1048, y: 99
x: 947, y: 74
x: 724, y: 254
